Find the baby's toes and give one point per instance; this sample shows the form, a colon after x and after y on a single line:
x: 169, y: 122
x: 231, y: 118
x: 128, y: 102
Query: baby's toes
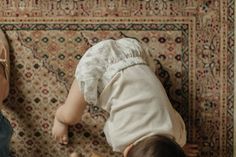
x: 64, y: 140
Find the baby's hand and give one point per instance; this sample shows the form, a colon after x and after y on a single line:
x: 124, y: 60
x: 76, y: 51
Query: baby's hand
x: 60, y: 131
x: 191, y: 150
x: 74, y: 154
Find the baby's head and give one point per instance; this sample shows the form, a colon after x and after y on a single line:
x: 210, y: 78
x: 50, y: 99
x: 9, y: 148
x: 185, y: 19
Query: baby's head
x: 156, y: 146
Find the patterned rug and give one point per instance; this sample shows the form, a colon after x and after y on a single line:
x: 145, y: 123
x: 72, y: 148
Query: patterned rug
x: 192, y: 43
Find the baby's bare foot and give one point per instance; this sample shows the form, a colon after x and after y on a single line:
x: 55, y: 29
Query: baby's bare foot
x: 191, y: 150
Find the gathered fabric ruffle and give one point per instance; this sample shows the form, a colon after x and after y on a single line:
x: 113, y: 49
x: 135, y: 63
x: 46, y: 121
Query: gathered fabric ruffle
x: 102, y: 61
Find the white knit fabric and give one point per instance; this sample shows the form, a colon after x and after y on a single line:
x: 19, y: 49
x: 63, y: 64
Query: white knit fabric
x: 139, y: 107
x: 103, y: 60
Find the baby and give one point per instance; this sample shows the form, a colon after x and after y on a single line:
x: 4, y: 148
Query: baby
x: 118, y: 75
x: 5, y: 127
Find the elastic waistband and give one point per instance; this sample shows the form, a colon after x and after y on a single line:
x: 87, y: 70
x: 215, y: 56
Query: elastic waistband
x: 122, y: 64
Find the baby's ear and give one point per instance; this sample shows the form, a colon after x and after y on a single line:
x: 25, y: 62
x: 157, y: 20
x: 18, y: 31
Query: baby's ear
x: 4, y: 54
x: 127, y: 149
x: 3, y: 49
x: 4, y: 59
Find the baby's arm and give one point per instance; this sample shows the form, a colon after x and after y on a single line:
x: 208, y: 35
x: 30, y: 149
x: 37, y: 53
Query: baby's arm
x: 68, y: 114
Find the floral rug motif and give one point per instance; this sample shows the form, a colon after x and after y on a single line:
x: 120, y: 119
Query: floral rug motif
x: 193, y: 47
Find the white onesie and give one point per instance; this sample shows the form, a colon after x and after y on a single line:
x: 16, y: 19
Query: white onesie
x: 116, y: 75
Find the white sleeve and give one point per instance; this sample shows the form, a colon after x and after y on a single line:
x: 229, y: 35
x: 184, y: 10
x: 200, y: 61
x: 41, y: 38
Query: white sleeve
x: 88, y: 72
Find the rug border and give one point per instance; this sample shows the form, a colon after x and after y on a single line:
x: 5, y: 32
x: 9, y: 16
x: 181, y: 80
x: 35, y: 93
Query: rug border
x: 234, y: 128
x: 150, y: 19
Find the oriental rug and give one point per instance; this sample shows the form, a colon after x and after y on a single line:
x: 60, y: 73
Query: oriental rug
x: 193, y: 47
